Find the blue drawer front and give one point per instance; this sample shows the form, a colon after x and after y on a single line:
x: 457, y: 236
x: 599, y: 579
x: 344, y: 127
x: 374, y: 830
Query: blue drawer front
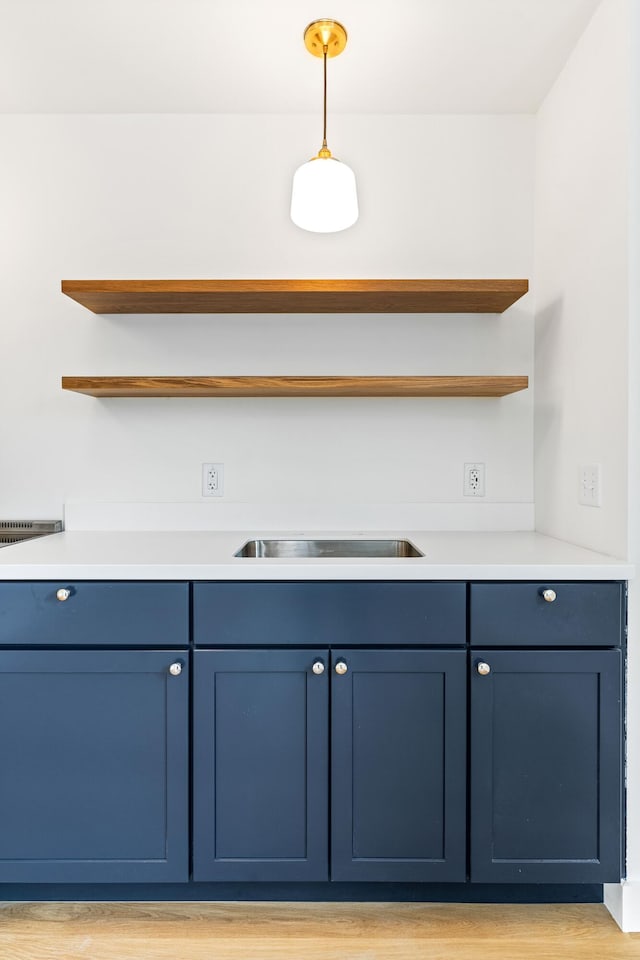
x: 517, y: 615
x: 324, y: 614
x: 95, y: 614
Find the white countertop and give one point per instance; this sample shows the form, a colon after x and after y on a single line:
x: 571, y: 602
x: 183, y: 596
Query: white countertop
x: 189, y: 555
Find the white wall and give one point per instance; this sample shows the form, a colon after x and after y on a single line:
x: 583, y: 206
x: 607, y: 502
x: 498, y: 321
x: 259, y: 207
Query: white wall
x: 207, y: 196
x: 625, y: 901
x: 581, y: 269
x: 587, y: 356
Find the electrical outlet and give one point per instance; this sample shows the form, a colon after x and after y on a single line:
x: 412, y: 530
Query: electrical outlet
x: 473, y: 480
x: 590, y: 485
x: 213, y: 479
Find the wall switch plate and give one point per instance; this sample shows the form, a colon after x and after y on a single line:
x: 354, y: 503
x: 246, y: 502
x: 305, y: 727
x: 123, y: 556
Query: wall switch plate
x: 473, y: 480
x: 590, y: 485
x: 213, y: 479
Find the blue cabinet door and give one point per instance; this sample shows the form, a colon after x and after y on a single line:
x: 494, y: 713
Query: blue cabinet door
x: 93, y: 766
x: 260, y: 777
x: 398, y: 765
x: 546, y: 766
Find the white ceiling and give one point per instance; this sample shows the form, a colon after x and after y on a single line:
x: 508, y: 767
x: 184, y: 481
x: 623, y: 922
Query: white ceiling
x: 247, y: 56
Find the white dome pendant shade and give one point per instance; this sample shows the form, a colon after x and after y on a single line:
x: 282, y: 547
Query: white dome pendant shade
x: 324, y: 198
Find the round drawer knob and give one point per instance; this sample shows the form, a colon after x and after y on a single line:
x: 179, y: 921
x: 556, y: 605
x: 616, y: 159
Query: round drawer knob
x: 483, y: 669
x: 318, y: 667
x: 549, y: 595
x: 175, y: 669
x: 63, y: 594
x: 341, y: 668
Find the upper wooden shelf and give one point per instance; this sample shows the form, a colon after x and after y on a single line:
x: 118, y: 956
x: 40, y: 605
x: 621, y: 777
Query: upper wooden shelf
x: 295, y: 296
x: 295, y: 386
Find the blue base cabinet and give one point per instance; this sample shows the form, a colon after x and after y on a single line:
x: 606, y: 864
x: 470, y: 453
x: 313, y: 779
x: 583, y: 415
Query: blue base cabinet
x: 93, y: 766
x: 333, y: 733
x: 546, y: 754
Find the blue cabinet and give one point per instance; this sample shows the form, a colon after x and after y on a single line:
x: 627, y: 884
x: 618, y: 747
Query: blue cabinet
x: 260, y: 765
x: 398, y: 765
x: 93, y: 766
x: 546, y: 762
x: 329, y: 732
x: 262, y: 780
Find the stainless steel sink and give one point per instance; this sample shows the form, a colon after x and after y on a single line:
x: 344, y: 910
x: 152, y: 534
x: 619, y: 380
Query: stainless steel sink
x: 299, y: 549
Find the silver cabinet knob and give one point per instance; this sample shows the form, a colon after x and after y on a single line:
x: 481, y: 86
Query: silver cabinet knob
x: 549, y: 595
x: 318, y: 667
x: 175, y: 669
x: 63, y: 594
x: 341, y: 668
x: 483, y: 669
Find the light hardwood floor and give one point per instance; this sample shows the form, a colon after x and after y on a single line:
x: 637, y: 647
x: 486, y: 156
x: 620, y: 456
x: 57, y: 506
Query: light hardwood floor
x: 310, y: 931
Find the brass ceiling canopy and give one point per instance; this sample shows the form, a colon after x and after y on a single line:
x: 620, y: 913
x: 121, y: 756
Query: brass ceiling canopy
x: 325, y: 35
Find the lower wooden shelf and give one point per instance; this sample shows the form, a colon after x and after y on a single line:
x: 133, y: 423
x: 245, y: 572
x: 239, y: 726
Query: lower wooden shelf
x: 295, y: 386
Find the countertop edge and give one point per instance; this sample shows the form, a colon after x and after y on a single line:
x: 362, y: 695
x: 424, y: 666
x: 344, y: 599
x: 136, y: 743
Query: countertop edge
x: 261, y: 570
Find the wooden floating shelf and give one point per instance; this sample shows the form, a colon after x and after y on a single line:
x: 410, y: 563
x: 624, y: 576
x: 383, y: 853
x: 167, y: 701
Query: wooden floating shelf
x: 295, y: 386
x: 295, y: 296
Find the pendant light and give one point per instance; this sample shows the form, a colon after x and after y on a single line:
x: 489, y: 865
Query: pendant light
x: 324, y: 197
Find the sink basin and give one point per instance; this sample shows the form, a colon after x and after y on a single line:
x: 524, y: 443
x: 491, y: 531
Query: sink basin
x: 297, y: 549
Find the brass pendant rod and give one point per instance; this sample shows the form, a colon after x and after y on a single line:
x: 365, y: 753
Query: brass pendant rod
x: 324, y: 118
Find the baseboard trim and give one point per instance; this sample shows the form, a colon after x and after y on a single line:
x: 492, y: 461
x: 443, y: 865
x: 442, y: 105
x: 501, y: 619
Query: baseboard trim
x: 622, y: 900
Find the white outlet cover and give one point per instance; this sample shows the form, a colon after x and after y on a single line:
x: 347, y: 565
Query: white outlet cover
x: 213, y: 479
x: 474, y: 480
x: 590, y: 485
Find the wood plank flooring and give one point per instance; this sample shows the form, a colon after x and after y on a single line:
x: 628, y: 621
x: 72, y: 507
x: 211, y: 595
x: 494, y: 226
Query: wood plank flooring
x: 310, y: 931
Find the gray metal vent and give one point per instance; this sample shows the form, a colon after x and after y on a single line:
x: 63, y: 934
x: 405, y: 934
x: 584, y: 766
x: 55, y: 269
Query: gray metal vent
x: 15, y: 531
